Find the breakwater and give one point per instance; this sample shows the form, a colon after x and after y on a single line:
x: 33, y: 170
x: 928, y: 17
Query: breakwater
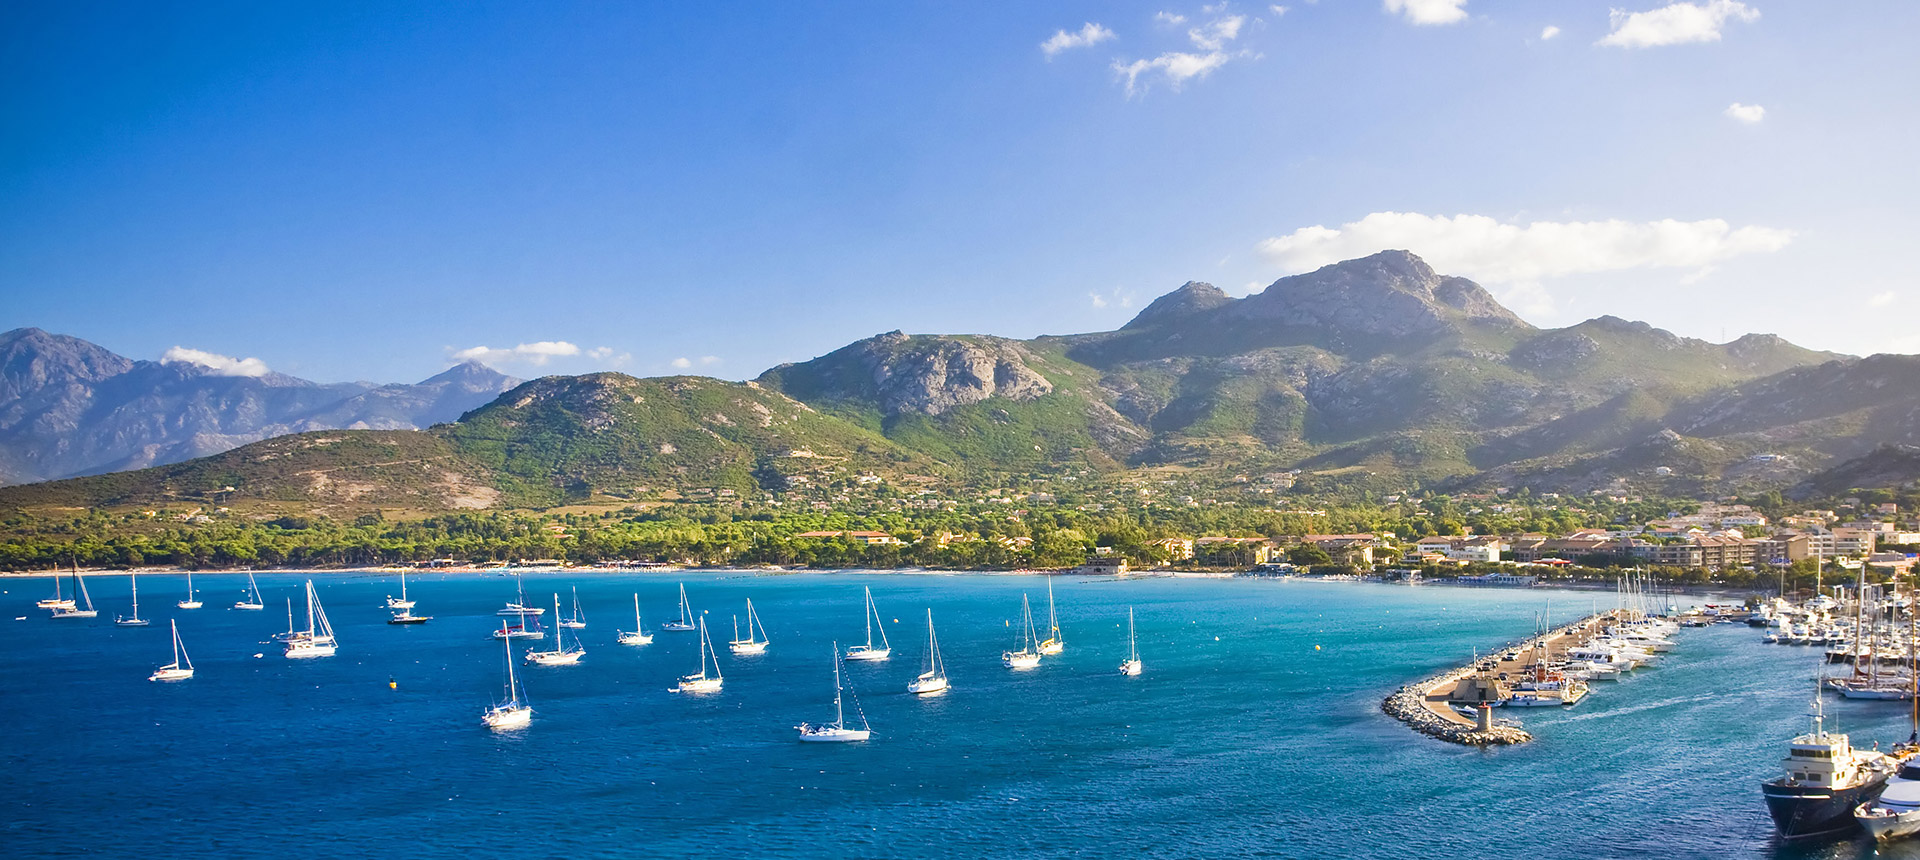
x: 1426, y: 705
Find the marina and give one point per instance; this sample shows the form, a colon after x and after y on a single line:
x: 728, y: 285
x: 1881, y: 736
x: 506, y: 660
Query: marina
x: 1094, y: 740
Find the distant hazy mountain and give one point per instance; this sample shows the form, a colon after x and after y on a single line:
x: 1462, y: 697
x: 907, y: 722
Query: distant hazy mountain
x: 69, y: 407
x: 1376, y: 370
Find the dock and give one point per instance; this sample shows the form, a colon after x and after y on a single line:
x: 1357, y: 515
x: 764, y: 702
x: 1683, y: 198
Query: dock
x: 1427, y: 705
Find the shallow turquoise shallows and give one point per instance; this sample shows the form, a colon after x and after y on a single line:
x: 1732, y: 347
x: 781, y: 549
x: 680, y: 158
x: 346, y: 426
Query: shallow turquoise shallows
x: 1241, y: 739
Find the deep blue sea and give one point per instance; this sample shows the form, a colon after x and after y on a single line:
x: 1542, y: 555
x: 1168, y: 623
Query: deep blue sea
x: 1241, y: 739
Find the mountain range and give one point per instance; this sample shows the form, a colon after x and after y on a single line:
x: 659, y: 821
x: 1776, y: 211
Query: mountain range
x: 1375, y: 371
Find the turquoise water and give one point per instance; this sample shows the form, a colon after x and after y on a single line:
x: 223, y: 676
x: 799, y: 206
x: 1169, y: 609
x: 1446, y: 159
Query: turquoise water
x: 1241, y: 739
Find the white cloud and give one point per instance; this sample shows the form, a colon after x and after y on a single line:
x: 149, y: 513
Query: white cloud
x: 1427, y: 13
x: 1883, y: 299
x: 600, y: 352
x: 1170, y: 19
x: 707, y: 360
x: 1277, y: 10
x: 220, y: 365
x: 536, y: 354
x: 1748, y: 114
x: 1178, y: 66
x: 1217, y: 33
x: 1099, y: 301
x: 1676, y: 24
x: 1548, y: 33
x: 682, y: 362
x: 1089, y: 35
x: 1486, y: 249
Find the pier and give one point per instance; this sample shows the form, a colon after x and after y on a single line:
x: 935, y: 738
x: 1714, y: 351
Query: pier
x: 1427, y: 705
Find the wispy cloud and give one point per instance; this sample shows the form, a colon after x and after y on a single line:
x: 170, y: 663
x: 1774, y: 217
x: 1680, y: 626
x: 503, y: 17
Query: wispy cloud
x: 1170, y: 19
x: 219, y: 365
x: 1089, y: 35
x: 1748, y: 114
x: 1548, y: 33
x: 1429, y: 13
x: 1487, y: 249
x: 1881, y: 300
x: 1117, y: 298
x: 1179, y: 67
x: 1215, y: 34
x: 1676, y: 24
x: 685, y: 363
x: 536, y: 354
x: 1277, y: 10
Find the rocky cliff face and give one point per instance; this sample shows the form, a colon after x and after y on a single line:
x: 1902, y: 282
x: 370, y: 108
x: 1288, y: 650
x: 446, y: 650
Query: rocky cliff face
x: 69, y: 407
x: 928, y: 375
x: 1390, y: 294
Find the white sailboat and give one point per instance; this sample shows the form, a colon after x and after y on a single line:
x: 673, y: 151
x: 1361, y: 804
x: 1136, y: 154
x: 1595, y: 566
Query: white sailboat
x: 317, y: 640
x: 291, y: 633
x: 1028, y: 656
x: 56, y: 601
x: 579, y: 619
x: 402, y: 602
x: 934, y: 679
x: 512, y: 713
x: 837, y: 731
x: 683, y: 624
x: 639, y: 634
x: 559, y: 656
x: 1054, y: 643
x: 182, y: 666
x: 134, y: 620
x: 83, y: 603
x: 193, y: 599
x: 523, y: 630
x: 756, y: 641
x: 701, y: 682
x: 870, y: 651
x: 253, y: 600
x: 1131, y: 665
x: 518, y: 607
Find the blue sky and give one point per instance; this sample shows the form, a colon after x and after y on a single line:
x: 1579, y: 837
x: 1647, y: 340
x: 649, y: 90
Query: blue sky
x: 368, y: 191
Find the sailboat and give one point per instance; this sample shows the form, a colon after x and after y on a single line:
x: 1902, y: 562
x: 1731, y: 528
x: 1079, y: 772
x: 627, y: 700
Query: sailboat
x: 1131, y: 665
x: 684, y: 623
x: 1027, y: 657
x: 756, y: 642
x: 837, y: 731
x: 934, y: 679
x: 518, y: 607
x: 317, y: 640
x: 1054, y: 643
x: 133, y: 620
x: 193, y: 600
x: 579, y: 619
x: 83, y: 603
x: 253, y: 600
x: 512, y: 713
x: 701, y: 682
x: 559, y: 656
x: 182, y: 666
x: 869, y: 651
x: 639, y: 634
x: 523, y: 630
x: 56, y: 601
x: 291, y: 633
x: 402, y: 602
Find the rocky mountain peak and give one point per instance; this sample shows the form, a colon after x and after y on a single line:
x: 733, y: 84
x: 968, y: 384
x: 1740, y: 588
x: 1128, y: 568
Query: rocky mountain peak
x: 471, y: 376
x: 1191, y: 298
x: 927, y: 374
x: 32, y: 360
x: 1389, y: 294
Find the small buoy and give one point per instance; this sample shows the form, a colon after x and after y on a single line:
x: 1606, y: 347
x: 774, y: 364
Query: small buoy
x: 1316, y: 647
x: 258, y: 656
x: 392, y: 684
x: 1216, y: 638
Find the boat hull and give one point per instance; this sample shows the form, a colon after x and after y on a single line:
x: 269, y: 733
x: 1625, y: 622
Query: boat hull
x: 76, y: 613
x: 250, y: 606
x: 636, y: 639
x: 696, y: 685
x: 189, y: 604
x: 171, y: 675
x: 678, y: 627
x: 1883, y: 825
x: 1807, y: 811
x: 131, y: 622
x: 831, y: 735
x: 1130, y: 667
x: 507, y: 718
x: 862, y: 652
x: 548, y: 658
x: 308, y: 652
x: 927, y: 686
x: 1018, y: 660
x: 747, y: 647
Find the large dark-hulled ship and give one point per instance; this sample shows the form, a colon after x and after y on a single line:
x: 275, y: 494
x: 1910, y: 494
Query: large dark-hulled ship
x: 1826, y: 778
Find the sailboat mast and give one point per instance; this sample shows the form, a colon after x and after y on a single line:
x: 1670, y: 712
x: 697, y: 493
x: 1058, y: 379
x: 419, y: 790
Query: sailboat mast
x: 134, y: 579
x: 310, y: 608
x: 839, y: 715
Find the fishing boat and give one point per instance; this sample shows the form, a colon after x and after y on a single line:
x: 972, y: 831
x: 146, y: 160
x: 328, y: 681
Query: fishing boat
x: 756, y: 641
x: 252, y: 600
x: 837, y: 731
x: 512, y: 713
x: 701, y: 682
x: 317, y: 640
x: 134, y: 620
x: 579, y: 619
x: 83, y: 602
x: 193, y: 599
x: 406, y: 616
x: 870, y: 651
x: 933, y: 679
x: 560, y: 655
x: 1028, y: 656
x: 1826, y: 779
x: 1054, y: 643
x: 1131, y: 665
x: 401, y: 602
x: 639, y: 634
x: 182, y: 666
x: 684, y: 623
x: 518, y: 607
